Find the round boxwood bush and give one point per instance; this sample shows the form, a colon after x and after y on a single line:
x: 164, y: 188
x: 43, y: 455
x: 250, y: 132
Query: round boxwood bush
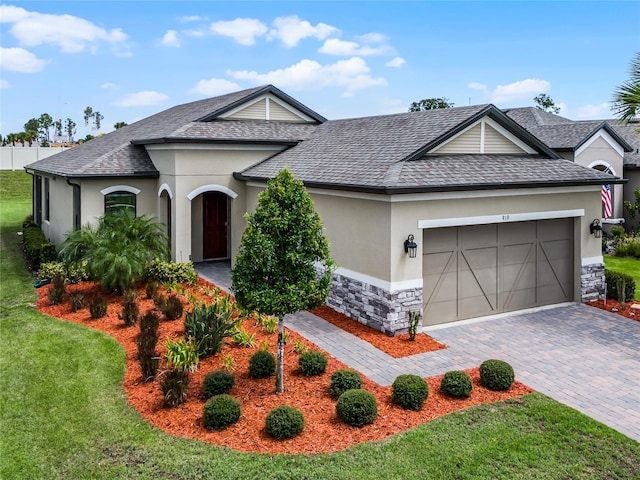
x: 496, y: 375
x: 262, y: 364
x: 220, y: 411
x: 409, y: 391
x: 312, y: 363
x: 357, y: 407
x: 284, y: 422
x: 456, y: 383
x: 217, y: 383
x: 343, y: 380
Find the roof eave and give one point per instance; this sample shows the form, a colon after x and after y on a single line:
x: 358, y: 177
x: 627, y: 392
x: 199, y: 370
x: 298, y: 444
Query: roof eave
x: 140, y: 174
x: 221, y: 141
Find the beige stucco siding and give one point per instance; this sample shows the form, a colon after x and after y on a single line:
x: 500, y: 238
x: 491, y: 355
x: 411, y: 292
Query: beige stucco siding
x: 60, y: 194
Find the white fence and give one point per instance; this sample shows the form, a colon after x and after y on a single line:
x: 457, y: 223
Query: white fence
x: 15, y: 158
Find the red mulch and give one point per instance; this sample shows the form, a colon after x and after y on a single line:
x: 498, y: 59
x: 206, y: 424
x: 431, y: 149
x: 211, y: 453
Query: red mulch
x: 398, y: 346
x: 614, y: 307
x: 323, y: 431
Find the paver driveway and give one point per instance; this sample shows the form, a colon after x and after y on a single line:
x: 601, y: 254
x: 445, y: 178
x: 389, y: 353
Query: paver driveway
x: 583, y: 357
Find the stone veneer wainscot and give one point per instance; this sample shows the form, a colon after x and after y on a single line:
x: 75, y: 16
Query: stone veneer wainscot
x: 592, y: 282
x: 374, y: 306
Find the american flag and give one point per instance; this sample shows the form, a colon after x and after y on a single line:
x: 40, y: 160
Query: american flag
x: 606, y: 201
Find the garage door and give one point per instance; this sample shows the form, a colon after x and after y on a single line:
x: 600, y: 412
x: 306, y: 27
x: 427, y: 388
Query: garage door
x: 479, y: 270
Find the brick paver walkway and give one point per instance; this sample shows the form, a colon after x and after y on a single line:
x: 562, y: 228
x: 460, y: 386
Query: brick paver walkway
x: 583, y: 357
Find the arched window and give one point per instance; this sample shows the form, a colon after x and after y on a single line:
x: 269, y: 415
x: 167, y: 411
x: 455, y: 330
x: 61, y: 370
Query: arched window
x: 118, y: 202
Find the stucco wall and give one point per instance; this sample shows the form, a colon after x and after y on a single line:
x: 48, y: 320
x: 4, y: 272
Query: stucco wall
x: 60, y: 221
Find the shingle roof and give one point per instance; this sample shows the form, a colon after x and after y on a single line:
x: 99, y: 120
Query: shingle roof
x: 115, y: 155
x: 558, y: 132
x: 388, y: 153
x: 631, y: 134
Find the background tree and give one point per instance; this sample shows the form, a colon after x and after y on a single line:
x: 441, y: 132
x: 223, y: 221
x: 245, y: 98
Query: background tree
x: 430, y: 104
x: 32, y: 124
x: 545, y: 103
x: 117, y: 249
x: 57, y: 128
x: 45, y: 122
x: 88, y: 115
x: 626, y: 98
x: 275, y: 270
x: 97, y: 120
x: 120, y: 125
x: 70, y: 128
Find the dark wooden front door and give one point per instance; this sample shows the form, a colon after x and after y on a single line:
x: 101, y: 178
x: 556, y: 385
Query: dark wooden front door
x: 214, y: 225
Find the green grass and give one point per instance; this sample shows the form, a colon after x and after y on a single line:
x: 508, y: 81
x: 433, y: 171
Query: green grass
x: 64, y: 414
x: 628, y: 265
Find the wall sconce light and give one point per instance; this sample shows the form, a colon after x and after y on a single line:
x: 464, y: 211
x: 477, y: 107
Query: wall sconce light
x: 595, y: 228
x: 410, y: 247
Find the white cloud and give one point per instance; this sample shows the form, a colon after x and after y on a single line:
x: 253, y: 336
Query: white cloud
x: 142, y: 99
x: 290, y: 30
x: 71, y: 34
x: 372, y: 38
x: 352, y: 74
x: 4, y: 84
x: 335, y: 46
x: 522, y: 89
x: 214, y: 86
x: 190, y: 18
x: 108, y: 85
x: 594, y: 112
x: 477, y: 86
x: 242, y: 30
x: 20, y: 60
x: 170, y: 39
x: 396, y: 62
x: 194, y: 33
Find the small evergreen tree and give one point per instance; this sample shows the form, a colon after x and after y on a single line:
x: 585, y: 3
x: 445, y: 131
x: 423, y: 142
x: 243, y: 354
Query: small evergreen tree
x: 275, y: 270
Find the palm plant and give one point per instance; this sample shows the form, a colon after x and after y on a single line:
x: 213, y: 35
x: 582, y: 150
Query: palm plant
x: 626, y: 98
x: 117, y: 249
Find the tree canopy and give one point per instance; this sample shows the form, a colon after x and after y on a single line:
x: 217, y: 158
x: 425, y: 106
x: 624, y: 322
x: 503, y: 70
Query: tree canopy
x: 545, y: 103
x: 430, y: 104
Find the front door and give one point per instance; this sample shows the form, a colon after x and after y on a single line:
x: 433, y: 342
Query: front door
x: 215, y: 226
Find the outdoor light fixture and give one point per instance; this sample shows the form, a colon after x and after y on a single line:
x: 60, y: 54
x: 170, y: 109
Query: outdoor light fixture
x: 595, y: 228
x: 410, y: 246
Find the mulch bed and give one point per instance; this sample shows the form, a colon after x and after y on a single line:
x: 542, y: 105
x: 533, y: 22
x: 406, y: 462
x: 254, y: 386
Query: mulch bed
x: 398, y: 346
x: 323, y: 430
x: 614, y: 307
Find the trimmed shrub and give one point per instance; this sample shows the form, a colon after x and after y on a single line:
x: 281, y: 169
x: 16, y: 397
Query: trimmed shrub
x: 98, y: 307
x: 147, y: 356
x: 73, y: 273
x: 357, y: 407
x: 221, y: 411
x: 628, y: 247
x: 76, y: 300
x: 171, y: 272
x: 36, y: 246
x: 496, y: 375
x: 151, y: 289
x: 174, y: 385
x: 262, y: 364
x: 312, y: 363
x: 149, y: 322
x: 160, y: 302
x: 613, y: 279
x: 217, y: 383
x: 130, y: 309
x: 409, y: 391
x: 173, y: 308
x: 56, y: 292
x: 284, y: 422
x: 456, y: 383
x: 344, y: 379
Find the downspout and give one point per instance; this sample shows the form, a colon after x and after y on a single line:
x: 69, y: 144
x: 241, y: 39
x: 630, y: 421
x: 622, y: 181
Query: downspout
x: 76, y: 187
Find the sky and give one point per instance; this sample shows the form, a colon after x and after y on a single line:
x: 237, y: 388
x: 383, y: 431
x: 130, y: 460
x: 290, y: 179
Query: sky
x: 343, y: 59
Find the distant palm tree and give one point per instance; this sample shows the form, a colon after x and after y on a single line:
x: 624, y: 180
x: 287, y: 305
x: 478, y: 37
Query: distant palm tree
x: 117, y: 249
x: 626, y: 98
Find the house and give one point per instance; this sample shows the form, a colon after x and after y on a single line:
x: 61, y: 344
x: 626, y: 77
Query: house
x: 457, y: 212
x: 603, y: 145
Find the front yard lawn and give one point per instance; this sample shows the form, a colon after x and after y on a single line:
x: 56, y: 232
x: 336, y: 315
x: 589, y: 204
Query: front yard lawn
x: 628, y: 265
